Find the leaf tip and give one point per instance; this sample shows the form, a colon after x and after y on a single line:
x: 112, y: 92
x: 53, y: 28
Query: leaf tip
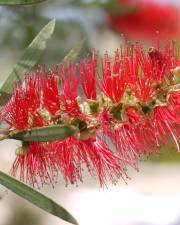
x: 52, y: 23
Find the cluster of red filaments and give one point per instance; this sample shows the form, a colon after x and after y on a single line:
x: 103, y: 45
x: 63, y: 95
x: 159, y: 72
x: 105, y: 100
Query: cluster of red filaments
x: 123, y: 111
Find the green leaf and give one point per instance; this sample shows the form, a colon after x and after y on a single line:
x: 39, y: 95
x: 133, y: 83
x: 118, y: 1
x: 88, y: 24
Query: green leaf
x: 20, y: 2
x: 36, y: 198
x: 27, y: 62
x: 74, y: 52
x: 43, y: 134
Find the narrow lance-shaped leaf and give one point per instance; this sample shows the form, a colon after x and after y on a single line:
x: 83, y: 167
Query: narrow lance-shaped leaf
x: 27, y: 62
x: 74, y: 52
x: 20, y: 2
x: 36, y: 198
x: 43, y: 134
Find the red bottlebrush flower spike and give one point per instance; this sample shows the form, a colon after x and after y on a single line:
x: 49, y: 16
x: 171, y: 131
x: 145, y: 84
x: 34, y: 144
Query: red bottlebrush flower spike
x: 145, y: 19
x: 132, y: 105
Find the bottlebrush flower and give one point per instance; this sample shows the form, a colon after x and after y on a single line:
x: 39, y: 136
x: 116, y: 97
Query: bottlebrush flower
x: 74, y: 154
x: 146, y: 19
x: 114, y: 78
x: 119, y: 114
x: 88, y: 77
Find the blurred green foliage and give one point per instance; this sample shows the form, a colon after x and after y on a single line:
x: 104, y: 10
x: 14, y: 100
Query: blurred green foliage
x: 28, y: 61
x: 19, y: 2
x: 167, y: 154
x: 21, y: 214
x: 24, y: 22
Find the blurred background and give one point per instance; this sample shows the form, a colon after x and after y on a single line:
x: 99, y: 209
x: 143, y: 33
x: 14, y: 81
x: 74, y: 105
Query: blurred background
x: 150, y: 197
